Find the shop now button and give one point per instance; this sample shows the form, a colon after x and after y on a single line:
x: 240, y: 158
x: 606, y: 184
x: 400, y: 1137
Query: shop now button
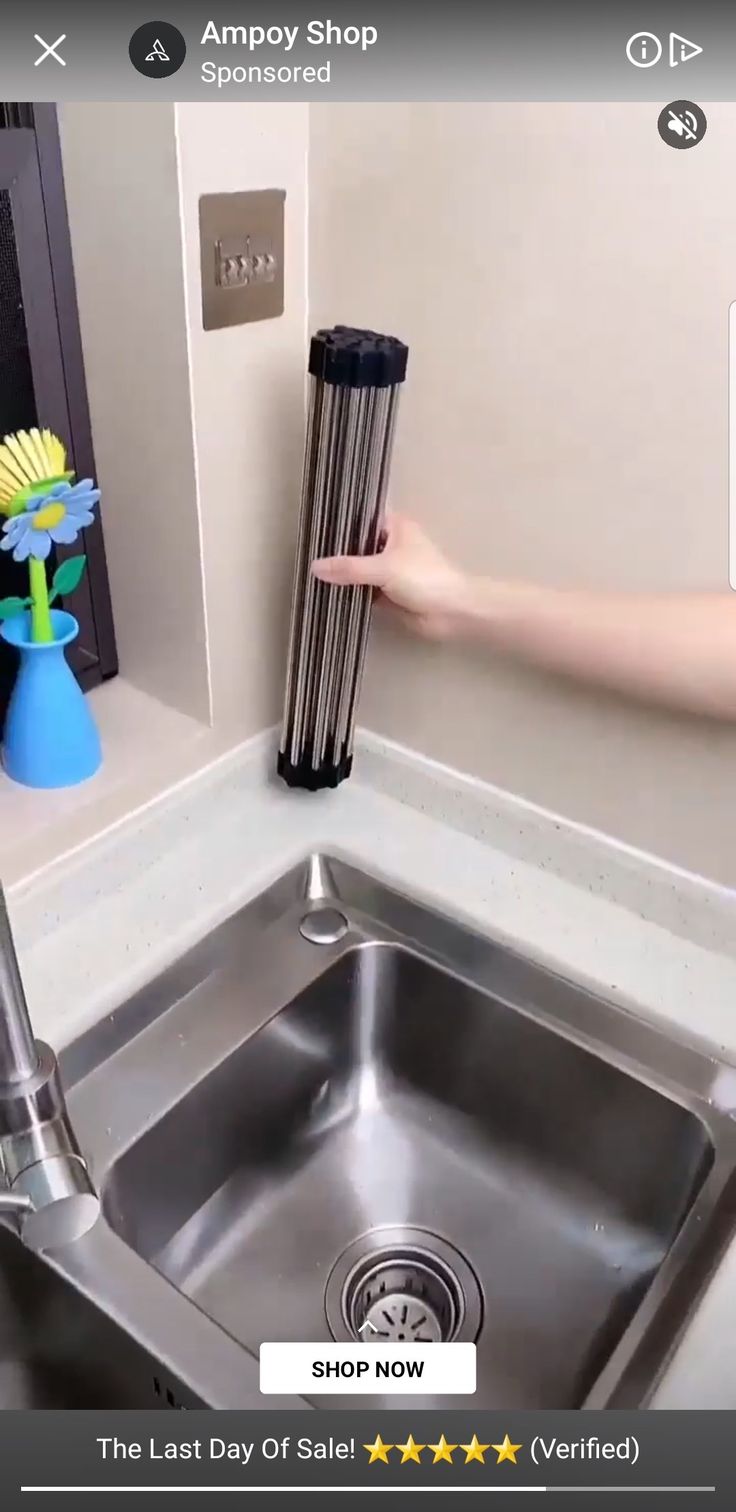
x: 368, y: 1369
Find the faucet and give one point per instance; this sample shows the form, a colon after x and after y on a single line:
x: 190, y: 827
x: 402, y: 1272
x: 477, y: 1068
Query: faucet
x: 48, y: 1187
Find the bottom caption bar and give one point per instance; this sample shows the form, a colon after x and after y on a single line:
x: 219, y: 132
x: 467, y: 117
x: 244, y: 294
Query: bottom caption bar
x: 349, y: 1451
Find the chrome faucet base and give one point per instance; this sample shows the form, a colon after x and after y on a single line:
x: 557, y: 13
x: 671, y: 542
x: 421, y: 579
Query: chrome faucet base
x: 26, y: 1105
x: 63, y: 1204
x: 48, y: 1184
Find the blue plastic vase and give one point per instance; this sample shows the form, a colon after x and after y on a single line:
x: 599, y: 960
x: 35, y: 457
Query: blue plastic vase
x: 50, y: 739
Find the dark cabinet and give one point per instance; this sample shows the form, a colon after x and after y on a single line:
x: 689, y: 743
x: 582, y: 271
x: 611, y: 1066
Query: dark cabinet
x: 41, y: 364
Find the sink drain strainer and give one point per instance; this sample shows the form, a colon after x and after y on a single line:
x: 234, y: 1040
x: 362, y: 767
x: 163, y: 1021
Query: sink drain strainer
x: 401, y: 1300
x: 403, y: 1286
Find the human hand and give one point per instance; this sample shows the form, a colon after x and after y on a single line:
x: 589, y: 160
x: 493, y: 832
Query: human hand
x: 411, y: 573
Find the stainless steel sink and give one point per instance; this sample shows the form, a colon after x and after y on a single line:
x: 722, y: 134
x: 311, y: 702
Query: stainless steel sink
x: 61, y: 1349
x: 392, y: 1118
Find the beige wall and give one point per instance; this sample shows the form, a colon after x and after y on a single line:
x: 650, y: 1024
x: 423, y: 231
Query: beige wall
x: 120, y: 173
x: 563, y: 280
x: 198, y: 435
x: 248, y: 398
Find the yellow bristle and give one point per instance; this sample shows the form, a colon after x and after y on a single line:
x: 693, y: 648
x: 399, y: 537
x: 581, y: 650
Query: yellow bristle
x: 8, y: 484
x: 35, y: 452
x: 29, y: 457
x: 10, y: 464
x: 25, y: 462
x: 56, y: 452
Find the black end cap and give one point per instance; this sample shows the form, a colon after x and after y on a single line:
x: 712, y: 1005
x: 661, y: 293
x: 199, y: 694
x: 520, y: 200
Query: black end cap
x: 351, y: 358
x: 302, y: 774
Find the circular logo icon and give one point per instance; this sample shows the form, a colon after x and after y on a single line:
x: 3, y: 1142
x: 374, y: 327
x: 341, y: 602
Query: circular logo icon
x: 682, y: 124
x: 643, y: 49
x: 157, y: 49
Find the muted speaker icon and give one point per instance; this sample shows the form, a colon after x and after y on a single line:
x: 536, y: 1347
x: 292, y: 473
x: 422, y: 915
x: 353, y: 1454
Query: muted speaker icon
x: 682, y: 124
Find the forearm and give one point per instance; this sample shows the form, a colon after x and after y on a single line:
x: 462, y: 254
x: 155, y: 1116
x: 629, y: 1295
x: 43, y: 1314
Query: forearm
x: 676, y: 649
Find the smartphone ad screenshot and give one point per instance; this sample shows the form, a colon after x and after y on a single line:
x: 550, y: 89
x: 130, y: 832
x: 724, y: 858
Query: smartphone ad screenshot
x: 367, y: 754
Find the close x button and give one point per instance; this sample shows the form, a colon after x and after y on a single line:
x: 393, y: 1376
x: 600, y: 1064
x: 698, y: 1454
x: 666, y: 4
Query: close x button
x: 50, y: 50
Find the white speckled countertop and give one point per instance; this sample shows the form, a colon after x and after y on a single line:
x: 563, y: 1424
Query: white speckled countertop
x: 662, y: 943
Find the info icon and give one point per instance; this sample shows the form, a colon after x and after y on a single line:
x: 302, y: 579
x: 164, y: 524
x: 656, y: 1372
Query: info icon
x: 157, y: 49
x: 682, y: 124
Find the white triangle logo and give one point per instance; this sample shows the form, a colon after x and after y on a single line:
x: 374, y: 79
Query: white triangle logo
x: 158, y: 53
x: 681, y: 50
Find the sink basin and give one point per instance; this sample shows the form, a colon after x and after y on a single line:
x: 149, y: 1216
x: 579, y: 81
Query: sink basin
x: 344, y: 1108
x: 58, y: 1349
x: 392, y: 1100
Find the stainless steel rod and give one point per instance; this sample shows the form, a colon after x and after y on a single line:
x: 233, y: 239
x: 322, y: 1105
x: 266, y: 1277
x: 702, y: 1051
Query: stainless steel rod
x: 296, y: 627
x: 342, y: 507
x: 355, y: 379
x: 372, y: 540
x: 18, y: 1054
x: 323, y: 441
x: 358, y: 546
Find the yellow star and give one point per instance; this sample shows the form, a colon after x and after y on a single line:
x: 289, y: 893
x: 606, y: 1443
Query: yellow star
x: 476, y: 1451
x: 410, y: 1450
x: 442, y: 1450
x: 506, y: 1450
x: 378, y: 1450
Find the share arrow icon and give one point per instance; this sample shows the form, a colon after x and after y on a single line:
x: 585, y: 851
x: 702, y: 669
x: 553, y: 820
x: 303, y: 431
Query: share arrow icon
x: 681, y: 50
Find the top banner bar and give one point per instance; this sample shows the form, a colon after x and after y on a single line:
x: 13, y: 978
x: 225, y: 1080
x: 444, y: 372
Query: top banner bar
x: 369, y: 50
